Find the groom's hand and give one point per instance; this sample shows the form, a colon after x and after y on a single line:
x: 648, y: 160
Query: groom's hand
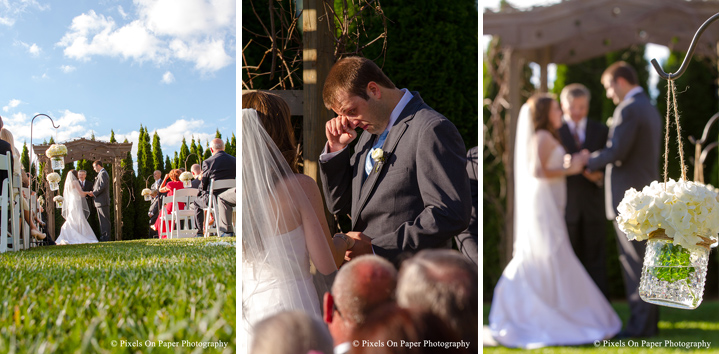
x: 363, y: 245
x: 340, y: 132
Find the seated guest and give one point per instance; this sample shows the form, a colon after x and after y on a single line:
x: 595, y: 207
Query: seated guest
x: 225, y: 201
x: 414, y: 331
x: 196, y: 170
x: 157, y: 175
x: 443, y: 282
x: 154, y: 210
x: 169, y: 188
x: 219, y: 166
x: 361, y: 286
x: 291, y: 332
x: 467, y: 239
x: 5, y: 147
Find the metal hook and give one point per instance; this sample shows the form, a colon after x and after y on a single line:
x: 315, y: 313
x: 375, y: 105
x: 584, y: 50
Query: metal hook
x: 31, y: 147
x: 690, y: 53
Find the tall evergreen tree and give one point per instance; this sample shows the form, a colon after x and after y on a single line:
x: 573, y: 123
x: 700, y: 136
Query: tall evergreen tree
x: 176, y: 161
x: 25, y: 157
x: 208, y: 152
x: 52, y: 141
x: 217, y: 134
x: 200, y: 152
x: 233, y: 142
x: 129, y: 210
x: 193, y: 159
x: 140, y: 154
x: 184, y: 151
x: 158, y: 162
x: 148, y: 158
x: 112, y: 136
x: 168, y: 165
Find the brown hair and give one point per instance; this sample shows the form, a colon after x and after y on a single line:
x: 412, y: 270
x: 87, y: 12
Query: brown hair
x: 539, y: 106
x: 623, y: 70
x: 351, y: 75
x: 274, y: 114
x: 97, y: 163
x: 175, y: 174
x: 74, y: 173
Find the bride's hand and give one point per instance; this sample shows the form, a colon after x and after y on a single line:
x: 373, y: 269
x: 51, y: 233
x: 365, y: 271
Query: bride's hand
x: 577, y: 162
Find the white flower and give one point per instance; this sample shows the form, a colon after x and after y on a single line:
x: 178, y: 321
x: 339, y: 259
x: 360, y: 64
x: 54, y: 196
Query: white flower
x: 186, y: 176
x: 685, y: 211
x: 377, y: 155
x: 58, y: 198
x: 146, y: 191
x: 56, y: 150
x: 53, y: 177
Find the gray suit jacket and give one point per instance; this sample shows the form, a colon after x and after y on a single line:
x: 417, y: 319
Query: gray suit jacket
x: 419, y: 198
x: 632, y: 152
x: 100, y: 189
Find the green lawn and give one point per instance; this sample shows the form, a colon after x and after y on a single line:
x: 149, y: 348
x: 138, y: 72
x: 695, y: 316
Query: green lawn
x: 674, y: 325
x: 85, y: 298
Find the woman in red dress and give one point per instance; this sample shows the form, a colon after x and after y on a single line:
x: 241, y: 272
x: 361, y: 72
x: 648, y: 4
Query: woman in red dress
x: 169, y: 188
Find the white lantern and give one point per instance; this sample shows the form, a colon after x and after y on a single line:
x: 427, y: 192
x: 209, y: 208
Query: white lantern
x: 54, y: 186
x: 58, y: 204
x: 58, y: 162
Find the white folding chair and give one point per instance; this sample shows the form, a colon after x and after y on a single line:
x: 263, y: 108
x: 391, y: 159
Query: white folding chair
x: 166, y: 218
x: 6, y: 202
x: 187, y: 227
x: 26, y: 227
x: 211, y: 203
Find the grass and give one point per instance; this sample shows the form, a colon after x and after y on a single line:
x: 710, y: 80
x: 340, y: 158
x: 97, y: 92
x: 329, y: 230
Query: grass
x: 675, y: 325
x: 81, y: 298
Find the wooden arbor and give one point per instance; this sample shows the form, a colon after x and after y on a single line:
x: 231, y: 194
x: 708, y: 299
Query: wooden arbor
x: 89, y: 150
x: 573, y: 31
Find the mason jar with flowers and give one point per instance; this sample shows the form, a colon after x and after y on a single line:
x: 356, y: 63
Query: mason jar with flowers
x: 58, y: 201
x: 57, y: 153
x: 147, y: 194
x: 186, y: 178
x: 54, y: 180
x: 680, y: 221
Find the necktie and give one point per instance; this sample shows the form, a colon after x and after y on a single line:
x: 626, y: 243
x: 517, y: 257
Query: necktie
x: 369, y: 162
x: 576, y: 136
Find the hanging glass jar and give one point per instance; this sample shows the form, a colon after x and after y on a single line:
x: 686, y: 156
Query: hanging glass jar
x: 57, y: 153
x: 54, y: 180
x: 59, y: 200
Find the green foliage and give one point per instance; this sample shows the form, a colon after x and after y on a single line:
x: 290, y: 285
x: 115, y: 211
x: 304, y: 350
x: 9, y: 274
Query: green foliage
x: 208, y: 152
x: 130, y: 212
x: 200, y: 152
x: 673, y: 263
x: 233, y: 145
x: 433, y: 49
x: 158, y: 162
x: 25, y: 157
x: 192, y: 159
x: 218, y: 135
x: 176, y: 161
x: 80, y: 298
x: 168, y: 165
x: 147, y: 158
x: 52, y: 141
x: 184, y: 152
x: 112, y: 136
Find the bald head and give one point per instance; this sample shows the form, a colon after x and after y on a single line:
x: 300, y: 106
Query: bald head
x: 217, y: 145
x: 196, y: 169
x: 362, y: 285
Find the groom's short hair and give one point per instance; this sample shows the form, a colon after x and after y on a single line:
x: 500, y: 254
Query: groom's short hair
x: 97, y: 163
x: 351, y: 75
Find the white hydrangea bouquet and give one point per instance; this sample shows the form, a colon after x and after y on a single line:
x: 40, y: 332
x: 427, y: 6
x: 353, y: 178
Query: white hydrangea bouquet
x: 147, y: 193
x: 680, y: 220
x: 186, y: 178
x: 56, y: 153
x: 58, y: 201
x: 54, y: 180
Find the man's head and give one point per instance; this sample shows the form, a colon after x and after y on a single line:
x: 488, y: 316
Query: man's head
x: 443, y: 282
x: 575, y: 101
x: 97, y: 166
x: 361, y: 286
x: 357, y: 88
x: 157, y: 174
x: 290, y: 332
x: 81, y: 175
x: 217, y: 145
x: 196, y: 170
x: 618, y: 79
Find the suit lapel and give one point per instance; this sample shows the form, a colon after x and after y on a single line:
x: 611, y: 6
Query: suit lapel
x: 365, y: 143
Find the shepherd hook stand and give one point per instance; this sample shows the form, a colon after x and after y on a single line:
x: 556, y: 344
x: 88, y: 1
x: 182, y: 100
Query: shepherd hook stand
x: 690, y: 52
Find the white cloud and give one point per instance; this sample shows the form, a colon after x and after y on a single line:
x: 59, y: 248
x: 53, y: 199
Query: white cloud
x: 33, y: 49
x: 122, y: 12
x: 11, y: 11
x: 197, y: 31
x: 12, y: 104
x: 67, y: 68
x: 168, y: 78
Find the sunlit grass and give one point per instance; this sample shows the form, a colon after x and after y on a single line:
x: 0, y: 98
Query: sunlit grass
x: 677, y: 328
x: 81, y: 298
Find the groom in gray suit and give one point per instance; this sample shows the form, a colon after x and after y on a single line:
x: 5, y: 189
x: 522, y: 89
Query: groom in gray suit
x: 100, y: 192
x: 404, y: 184
x: 631, y: 157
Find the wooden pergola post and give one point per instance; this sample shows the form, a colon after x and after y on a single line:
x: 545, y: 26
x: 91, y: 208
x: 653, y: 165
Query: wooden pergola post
x: 117, y: 191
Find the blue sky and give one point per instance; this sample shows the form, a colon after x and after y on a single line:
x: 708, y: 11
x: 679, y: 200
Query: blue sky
x: 99, y: 65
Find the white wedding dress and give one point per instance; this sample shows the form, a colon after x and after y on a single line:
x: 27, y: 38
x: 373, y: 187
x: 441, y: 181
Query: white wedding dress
x: 76, y: 229
x: 545, y: 297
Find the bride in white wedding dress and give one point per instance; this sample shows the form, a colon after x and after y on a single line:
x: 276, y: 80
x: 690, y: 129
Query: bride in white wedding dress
x: 545, y: 297
x: 75, y: 211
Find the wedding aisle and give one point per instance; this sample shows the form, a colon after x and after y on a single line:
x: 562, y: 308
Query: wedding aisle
x: 120, y: 297
x: 679, y: 331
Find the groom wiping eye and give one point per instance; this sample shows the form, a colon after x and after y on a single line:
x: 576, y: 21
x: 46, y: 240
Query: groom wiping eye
x: 404, y: 184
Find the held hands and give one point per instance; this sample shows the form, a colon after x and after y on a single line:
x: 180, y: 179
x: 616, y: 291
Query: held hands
x: 362, y: 245
x: 577, y: 162
x: 340, y: 132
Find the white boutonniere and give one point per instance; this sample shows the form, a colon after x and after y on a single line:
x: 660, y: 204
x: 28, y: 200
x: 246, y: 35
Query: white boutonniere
x: 379, y: 158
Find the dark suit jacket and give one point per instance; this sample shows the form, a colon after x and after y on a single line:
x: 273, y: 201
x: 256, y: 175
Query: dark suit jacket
x: 584, y: 197
x: 101, y: 189
x: 467, y: 239
x: 195, y: 183
x: 219, y: 166
x: 420, y: 196
x: 4, y: 149
x: 632, y: 152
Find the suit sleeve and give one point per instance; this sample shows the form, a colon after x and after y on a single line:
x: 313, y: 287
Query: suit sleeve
x: 444, y: 190
x: 205, y: 181
x: 336, y: 176
x: 101, y: 185
x: 626, y: 129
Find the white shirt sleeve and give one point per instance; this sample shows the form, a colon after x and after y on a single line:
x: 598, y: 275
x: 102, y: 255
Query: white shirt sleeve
x: 326, y: 156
